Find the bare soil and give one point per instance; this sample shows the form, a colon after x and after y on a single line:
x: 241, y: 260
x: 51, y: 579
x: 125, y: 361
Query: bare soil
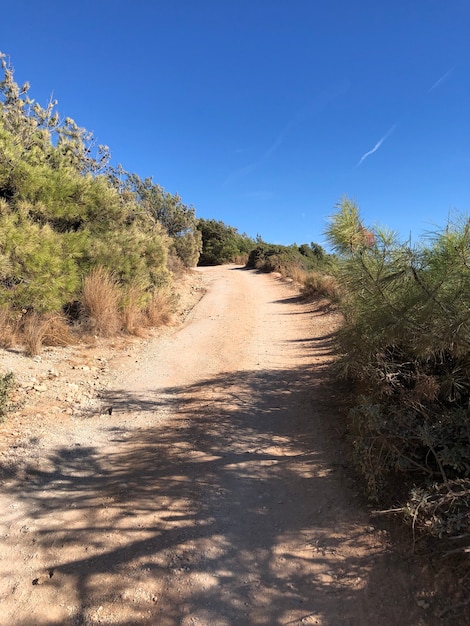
x: 197, y: 477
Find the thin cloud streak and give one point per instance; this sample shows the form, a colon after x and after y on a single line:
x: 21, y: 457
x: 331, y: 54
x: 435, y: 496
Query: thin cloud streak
x: 441, y: 79
x: 377, y: 145
x: 253, y: 166
x: 318, y: 104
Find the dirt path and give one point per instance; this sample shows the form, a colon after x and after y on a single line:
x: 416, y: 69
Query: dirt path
x: 212, y: 495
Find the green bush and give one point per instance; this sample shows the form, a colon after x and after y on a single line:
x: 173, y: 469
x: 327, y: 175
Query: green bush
x: 288, y: 259
x: 40, y: 270
x: 405, y: 341
x: 157, y: 206
x: 222, y: 243
x: 62, y: 212
x: 6, y: 385
x: 188, y: 247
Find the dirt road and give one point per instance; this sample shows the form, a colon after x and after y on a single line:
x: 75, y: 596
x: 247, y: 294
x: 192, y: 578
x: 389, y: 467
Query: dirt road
x: 213, y: 494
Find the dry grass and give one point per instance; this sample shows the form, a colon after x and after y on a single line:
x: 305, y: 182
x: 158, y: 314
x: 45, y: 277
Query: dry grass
x: 316, y: 284
x: 100, y: 302
x: 298, y: 274
x: 161, y: 307
x: 57, y: 331
x: 50, y: 329
x: 133, y: 318
x: 34, y: 331
x: 175, y: 265
x: 8, y: 327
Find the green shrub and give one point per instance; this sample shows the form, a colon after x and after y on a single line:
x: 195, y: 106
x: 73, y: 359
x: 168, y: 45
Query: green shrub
x: 222, y: 243
x: 6, y: 385
x: 40, y: 270
x: 188, y: 247
x: 288, y: 260
x: 405, y: 341
x: 62, y: 213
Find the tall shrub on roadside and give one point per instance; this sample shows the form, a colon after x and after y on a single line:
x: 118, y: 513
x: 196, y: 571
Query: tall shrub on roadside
x: 60, y: 214
x: 405, y: 340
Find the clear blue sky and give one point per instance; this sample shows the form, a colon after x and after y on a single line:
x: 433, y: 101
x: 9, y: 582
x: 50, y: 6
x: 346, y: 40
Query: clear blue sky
x: 264, y: 113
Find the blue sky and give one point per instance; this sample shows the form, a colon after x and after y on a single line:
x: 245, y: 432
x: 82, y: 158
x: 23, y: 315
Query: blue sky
x: 264, y: 113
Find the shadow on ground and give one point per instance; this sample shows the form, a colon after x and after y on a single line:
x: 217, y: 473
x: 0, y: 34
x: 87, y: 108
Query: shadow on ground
x: 234, y: 512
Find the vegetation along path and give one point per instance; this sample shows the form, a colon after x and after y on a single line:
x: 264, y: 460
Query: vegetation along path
x: 214, y: 494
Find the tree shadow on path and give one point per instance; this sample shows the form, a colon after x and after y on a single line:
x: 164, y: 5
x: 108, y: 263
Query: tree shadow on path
x: 235, y: 511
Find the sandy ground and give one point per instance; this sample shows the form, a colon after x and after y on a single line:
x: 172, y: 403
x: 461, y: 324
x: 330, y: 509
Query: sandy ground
x: 199, y: 479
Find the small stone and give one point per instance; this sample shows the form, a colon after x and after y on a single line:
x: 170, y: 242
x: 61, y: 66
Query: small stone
x: 423, y: 604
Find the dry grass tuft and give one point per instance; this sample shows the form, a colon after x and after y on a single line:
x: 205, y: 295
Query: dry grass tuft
x: 57, y: 331
x: 100, y: 302
x: 161, y: 307
x: 298, y: 274
x: 133, y: 318
x: 316, y: 284
x: 34, y: 331
x: 8, y: 327
x: 50, y: 329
